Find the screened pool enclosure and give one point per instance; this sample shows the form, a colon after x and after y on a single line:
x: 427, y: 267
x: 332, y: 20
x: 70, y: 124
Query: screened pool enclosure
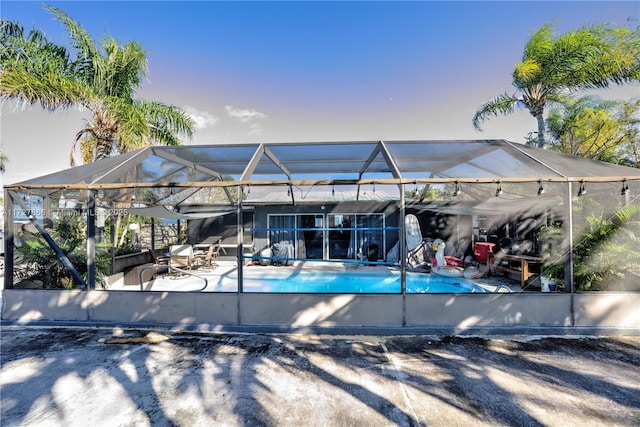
x: 341, y: 204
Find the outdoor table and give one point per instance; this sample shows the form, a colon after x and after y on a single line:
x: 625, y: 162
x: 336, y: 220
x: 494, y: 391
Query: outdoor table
x: 524, y: 261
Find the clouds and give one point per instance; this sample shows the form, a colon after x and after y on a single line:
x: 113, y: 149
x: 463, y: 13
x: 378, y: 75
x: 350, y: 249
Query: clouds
x: 245, y: 115
x: 202, y: 119
x: 241, y: 121
x: 249, y: 117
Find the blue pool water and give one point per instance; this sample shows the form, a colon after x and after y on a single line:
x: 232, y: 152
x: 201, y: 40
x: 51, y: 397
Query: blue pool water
x: 356, y: 282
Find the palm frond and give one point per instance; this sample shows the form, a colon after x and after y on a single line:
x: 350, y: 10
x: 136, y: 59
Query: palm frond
x: 3, y: 162
x: 10, y: 28
x: 526, y: 72
x: 80, y: 38
x: 593, y: 57
x: 626, y: 213
x: 500, y: 105
x: 540, y: 43
x: 31, y: 51
x: 51, y: 90
x: 169, y: 117
x: 121, y: 70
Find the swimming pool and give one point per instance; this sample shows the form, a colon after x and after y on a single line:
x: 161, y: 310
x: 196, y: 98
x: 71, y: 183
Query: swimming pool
x: 350, y: 282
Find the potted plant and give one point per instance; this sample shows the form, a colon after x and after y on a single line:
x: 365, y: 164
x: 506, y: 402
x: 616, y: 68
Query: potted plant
x: 550, y: 238
x: 551, y: 277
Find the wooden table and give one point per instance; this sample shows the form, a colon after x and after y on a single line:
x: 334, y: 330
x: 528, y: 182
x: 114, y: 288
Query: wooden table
x: 523, y: 271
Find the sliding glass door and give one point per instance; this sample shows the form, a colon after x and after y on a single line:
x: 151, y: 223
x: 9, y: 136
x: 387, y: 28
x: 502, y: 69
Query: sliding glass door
x: 330, y: 236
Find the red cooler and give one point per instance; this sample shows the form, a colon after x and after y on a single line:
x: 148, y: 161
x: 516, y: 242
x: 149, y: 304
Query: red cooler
x: 481, y: 250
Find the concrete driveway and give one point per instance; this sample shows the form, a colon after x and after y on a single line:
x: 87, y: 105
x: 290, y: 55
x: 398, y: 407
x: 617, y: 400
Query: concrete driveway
x: 87, y: 376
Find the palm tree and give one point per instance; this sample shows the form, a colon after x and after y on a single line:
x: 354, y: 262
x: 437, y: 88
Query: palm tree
x: 3, y: 161
x: 102, y: 81
x: 554, y: 67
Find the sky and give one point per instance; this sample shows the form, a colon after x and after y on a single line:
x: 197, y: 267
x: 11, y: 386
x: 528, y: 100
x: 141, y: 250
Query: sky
x: 307, y: 71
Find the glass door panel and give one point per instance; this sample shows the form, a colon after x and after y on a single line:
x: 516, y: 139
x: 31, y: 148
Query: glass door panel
x: 370, y: 236
x: 341, y: 236
x: 282, y: 229
x: 311, y: 236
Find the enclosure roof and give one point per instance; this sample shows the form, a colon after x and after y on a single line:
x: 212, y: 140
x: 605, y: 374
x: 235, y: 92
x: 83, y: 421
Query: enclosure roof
x: 165, y: 171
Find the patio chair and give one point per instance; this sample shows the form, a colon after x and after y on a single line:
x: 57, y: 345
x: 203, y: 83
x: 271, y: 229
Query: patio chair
x: 180, y: 256
x: 161, y: 258
x: 208, y: 259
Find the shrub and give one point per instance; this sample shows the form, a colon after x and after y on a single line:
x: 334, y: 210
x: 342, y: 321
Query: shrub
x: 43, y: 264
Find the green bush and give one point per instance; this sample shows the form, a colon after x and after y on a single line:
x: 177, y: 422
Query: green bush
x: 608, y: 252
x: 43, y: 264
x: 550, y: 239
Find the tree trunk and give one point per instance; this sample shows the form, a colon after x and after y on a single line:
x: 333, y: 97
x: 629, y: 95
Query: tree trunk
x: 541, y: 141
x: 124, y: 229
